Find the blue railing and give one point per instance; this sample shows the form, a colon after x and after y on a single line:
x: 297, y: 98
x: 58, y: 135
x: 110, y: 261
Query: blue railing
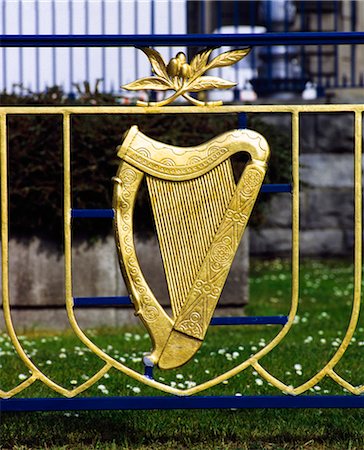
x: 198, y: 402
x: 279, y: 68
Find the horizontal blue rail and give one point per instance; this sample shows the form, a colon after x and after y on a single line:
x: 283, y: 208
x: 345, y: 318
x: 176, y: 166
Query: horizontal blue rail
x: 92, y: 213
x: 272, y: 188
x: 190, y: 40
x: 109, y: 213
x: 253, y: 320
x: 197, y: 402
x: 101, y: 301
x: 89, y: 302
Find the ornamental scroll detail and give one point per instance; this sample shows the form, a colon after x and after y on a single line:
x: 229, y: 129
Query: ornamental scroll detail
x: 183, y: 77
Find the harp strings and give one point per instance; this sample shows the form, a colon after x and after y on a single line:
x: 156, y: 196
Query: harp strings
x: 187, y: 215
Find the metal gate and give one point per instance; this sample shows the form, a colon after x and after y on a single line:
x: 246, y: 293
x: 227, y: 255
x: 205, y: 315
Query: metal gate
x: 183, y: 398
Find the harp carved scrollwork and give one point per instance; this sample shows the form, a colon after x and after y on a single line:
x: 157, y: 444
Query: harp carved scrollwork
x: 200, y: 214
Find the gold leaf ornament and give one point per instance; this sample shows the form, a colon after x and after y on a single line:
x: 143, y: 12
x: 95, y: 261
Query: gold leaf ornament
x: 199, y: 61
x: 155, y: 83
x: 229, y: 58
x: 203, y: 83
x: 156, y: 60
x: 181, y: 77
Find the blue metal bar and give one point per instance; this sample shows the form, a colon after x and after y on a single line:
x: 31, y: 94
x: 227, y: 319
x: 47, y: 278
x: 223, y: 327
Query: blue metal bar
x: 153, y: 94
x: 252, y: 18
x: 92, y: 213
x: 286, y: 58
x: 273, y: 188
x: 4, y: 50
x: 170, y: 25
x: 336, y: 49
x: 169, y: 402
x: 253, y: 320
x: 319, y: 14
x: 269, y: 16
x: 202, y: 17
x: 152, y: 17
x: 54, y: 50
x: 353, y: 47
x: 188, y: 40
x: 120, y: 13
x: 37, y: 62
x: 219, y: 24
x: 242, y: 121
x: 252, y: 24
x: 101, y: 301
x: 89, y: 302
x: 236, y: 14
x: 219, y: 15
x: 70, y: 55
x: 87, y: 55
x: 109, y: 213
x: 269, y: 50
x: 148, y: 372
x: 20, y: 20
x: 236, y: 67
x: 103, y: 50
x: 136, y: 33
x: 303, y: 26
x: 319, y: 50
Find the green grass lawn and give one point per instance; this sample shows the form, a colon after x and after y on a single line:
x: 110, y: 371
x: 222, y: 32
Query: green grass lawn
x: 323, y: 316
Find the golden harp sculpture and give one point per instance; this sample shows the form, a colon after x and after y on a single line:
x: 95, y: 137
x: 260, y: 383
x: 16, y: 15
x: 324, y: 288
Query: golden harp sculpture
x: 200, y: 215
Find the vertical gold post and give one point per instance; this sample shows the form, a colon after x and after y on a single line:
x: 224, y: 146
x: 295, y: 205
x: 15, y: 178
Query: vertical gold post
x: 5, y: 260
x: 358, y: 216
x: 4, y: 211
x: 295, y: 212
x: 358, y: 237
x: 5, y: 232
x: 357, y: 240
x: 67, y: 209
x: 358, y: 202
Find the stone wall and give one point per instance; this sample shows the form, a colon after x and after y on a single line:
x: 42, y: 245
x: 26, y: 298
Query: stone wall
x: 327, y: 194
x: 37, y: 282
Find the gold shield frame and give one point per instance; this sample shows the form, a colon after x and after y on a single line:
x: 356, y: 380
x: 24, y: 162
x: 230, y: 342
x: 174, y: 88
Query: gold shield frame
x: 254, y: 361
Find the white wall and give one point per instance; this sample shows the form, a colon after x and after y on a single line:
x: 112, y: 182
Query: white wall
x: 39, y: 68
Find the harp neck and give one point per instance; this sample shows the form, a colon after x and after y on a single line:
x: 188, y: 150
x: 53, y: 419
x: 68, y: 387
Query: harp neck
x: 173, y: 163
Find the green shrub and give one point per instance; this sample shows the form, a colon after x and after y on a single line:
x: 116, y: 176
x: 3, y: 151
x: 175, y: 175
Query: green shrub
x: 36, y: 166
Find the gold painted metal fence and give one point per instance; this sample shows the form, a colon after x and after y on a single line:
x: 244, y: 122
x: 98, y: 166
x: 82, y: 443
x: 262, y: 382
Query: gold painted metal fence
x: 253, y: 361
